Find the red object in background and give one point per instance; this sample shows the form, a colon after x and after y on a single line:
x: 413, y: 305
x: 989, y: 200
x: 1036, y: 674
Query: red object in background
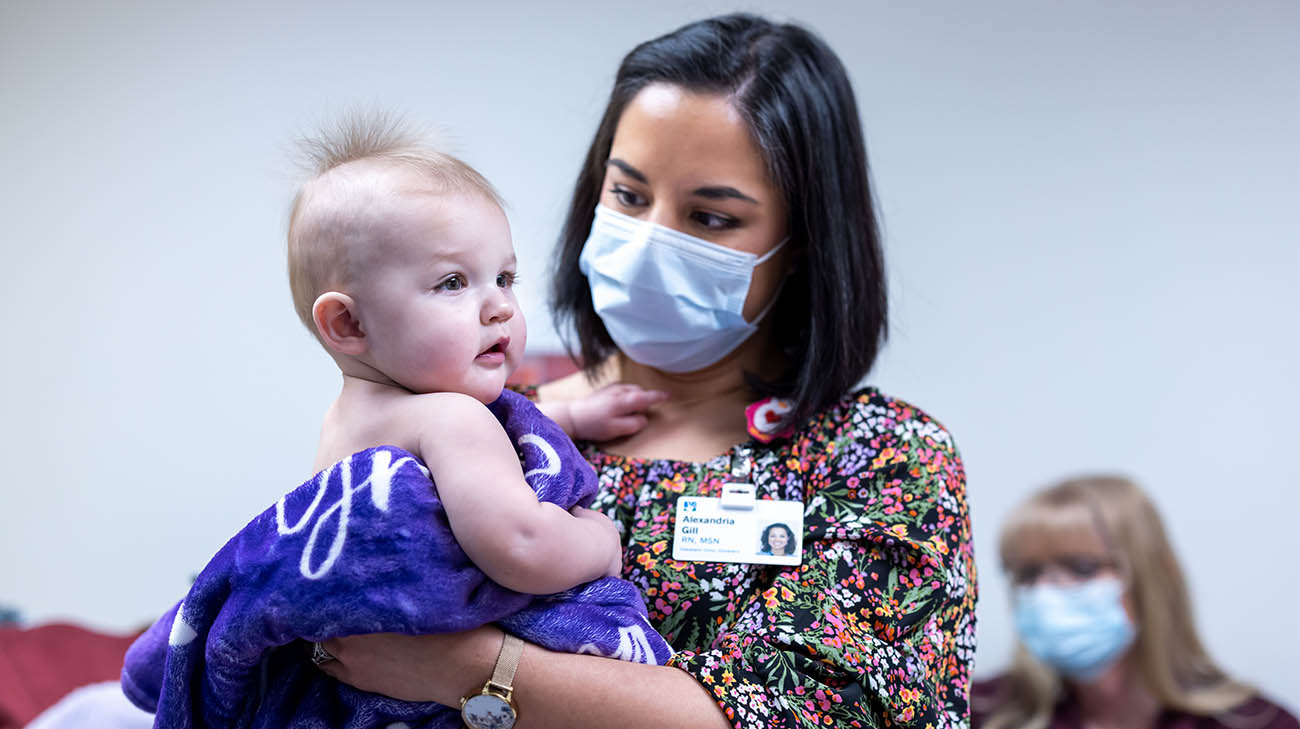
x: 39, y: 666
x: 541, y: 368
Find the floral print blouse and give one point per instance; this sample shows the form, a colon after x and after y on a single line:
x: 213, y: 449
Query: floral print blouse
x: 876, y: 627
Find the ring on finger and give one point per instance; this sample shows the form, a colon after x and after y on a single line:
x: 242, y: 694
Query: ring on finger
x: 319, y: 655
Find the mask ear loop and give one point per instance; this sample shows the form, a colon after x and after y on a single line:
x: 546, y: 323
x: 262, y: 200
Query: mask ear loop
x: 763, y: 258
x: 775, y: 295
x: 779, y: 287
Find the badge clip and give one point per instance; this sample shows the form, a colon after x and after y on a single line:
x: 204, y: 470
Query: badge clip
x: 737, y: 495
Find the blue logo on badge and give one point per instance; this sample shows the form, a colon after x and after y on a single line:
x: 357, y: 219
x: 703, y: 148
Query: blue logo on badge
x: 689, y: 505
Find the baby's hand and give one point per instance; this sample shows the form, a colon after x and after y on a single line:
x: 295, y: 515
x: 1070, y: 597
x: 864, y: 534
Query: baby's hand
x: 615, y: 568
x: 612, y: 412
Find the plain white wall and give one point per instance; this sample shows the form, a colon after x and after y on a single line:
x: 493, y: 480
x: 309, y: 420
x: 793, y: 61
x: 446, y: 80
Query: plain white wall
x: 1091, y: 221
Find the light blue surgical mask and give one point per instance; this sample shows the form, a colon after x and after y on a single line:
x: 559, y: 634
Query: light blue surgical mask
x: 1079, y: 629
x: 668, y: 300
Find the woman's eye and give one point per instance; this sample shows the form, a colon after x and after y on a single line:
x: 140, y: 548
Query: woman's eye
x: 1026, y: 574
x: 452, y: 283
x: 713, y: 221
x: 506, y: 279
x: 626, y: 197
x: 1082, y: 567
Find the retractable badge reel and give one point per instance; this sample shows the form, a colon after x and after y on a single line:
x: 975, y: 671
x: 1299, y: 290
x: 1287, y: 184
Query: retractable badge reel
x: 738, y: 526
x: 738, y: 495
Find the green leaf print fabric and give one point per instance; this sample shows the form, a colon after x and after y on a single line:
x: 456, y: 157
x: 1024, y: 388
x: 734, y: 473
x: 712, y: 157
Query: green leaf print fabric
x: 876, y: 627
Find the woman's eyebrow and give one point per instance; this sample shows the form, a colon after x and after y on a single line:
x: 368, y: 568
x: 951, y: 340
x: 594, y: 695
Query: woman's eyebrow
x: 710, y: 192
x: 720, y: 192
x: 629, y: 170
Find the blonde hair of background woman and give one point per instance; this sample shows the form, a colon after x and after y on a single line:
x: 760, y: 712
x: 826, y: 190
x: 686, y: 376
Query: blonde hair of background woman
x: 1171, y: 658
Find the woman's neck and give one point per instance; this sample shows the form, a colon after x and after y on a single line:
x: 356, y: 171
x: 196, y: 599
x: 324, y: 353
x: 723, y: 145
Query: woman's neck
x: 1116, y: 699
x: 709, y: 386
x: 704, y: 414
x: 721, y: 382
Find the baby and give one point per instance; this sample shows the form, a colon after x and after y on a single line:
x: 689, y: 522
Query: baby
x: 402, y: 266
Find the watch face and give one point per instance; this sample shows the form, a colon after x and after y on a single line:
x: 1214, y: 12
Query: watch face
x: 486, y: 711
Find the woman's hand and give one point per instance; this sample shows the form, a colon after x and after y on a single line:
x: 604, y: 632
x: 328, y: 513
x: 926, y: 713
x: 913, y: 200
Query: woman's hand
x: 553, y: 690
x: 442, y: 668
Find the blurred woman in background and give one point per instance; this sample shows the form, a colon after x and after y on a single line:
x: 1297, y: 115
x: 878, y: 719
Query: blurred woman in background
x: 1105, y: 623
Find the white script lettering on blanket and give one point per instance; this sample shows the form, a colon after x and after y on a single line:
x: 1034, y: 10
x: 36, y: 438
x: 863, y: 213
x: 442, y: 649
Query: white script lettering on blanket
x: 182, y: 632
x: 552, y: 466
x: 633, y: 646
x: 380, y: 483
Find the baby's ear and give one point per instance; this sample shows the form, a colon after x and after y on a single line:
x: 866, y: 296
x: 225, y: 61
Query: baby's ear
x: 337, y: 323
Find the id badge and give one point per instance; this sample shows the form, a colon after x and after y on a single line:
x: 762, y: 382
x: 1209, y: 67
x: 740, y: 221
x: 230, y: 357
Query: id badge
x: 738, y: 528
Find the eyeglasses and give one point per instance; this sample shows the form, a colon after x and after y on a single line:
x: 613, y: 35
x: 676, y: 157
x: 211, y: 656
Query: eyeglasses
x: 1063, y: 569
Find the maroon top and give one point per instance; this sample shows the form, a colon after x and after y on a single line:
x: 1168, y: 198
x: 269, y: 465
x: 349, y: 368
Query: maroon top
x: 38, y: 666
x: 1257, y: 713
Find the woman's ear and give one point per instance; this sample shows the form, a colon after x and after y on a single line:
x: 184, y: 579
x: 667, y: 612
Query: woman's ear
x: 337, y: 323
x: 795, y: 260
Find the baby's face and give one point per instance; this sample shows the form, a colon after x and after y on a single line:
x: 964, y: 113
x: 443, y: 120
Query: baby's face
x: 438, y: 304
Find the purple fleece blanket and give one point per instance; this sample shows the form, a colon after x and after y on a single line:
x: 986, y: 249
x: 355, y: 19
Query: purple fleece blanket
x: 364, y: 547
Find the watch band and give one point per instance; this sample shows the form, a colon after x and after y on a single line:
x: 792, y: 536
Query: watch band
x: 494, y: 707
x: 503, y: 674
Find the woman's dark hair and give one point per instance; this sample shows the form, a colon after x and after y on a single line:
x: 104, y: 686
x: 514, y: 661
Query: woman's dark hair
x: 789, y: 536
x: 795, y: 96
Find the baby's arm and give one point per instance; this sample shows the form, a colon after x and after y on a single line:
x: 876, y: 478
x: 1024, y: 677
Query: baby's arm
x: 611, y: 412
x: 522, y: 543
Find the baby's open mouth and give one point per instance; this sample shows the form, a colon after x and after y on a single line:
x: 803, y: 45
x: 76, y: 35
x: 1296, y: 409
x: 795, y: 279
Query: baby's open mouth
x: 498, y: 347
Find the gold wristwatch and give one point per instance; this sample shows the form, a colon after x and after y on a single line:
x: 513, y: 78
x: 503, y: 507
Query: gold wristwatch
x: 494, y: 706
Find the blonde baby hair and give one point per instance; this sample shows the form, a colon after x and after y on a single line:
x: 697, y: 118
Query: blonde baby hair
x: 350, y: 165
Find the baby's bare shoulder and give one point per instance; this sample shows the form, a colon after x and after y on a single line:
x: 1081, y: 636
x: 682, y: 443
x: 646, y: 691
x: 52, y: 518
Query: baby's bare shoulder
x: 441, y: 404
x: 451, y: 429
x: 445, y: 412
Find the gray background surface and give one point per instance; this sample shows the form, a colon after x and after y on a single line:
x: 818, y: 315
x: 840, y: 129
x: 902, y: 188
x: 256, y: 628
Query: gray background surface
x: 1090, y: 211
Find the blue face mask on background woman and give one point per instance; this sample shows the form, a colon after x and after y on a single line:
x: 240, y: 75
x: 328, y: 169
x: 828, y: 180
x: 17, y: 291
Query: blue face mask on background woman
x: 1079, y: 629
x: 668, y: 300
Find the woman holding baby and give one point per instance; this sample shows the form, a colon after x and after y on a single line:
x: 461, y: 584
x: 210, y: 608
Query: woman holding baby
x: 722, y: 246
